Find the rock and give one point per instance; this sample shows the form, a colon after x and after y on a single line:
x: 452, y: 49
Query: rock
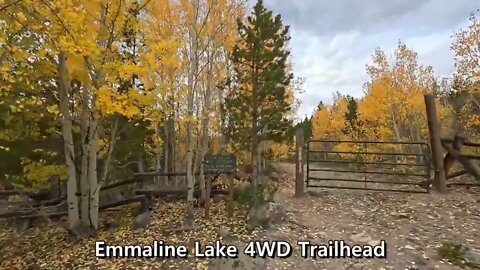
x: 357, y: 266
x: 242, y: 262
x: 409, y: 247
x: 112, y: 224
x: 374, y: 242
x: 413, y: 266
x: 419, y: 260
x: 111, y: 196
x: 276, y: 197
x: 400, y: 215
x: 78, y: 232
x: 470, y: 254
x: 274, y: 176
x: 141, y: 221
x: 266, y: 214
x: 357, y: 212
x: 361, y: 238
x: 223, y: 232
x: 23, y: 225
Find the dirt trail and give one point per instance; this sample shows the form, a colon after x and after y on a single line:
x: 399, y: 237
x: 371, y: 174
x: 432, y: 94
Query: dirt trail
x: 413, y: 225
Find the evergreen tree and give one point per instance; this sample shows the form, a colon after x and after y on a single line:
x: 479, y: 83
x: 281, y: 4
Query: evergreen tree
x: 258, y: 106
x: 320, y: 106
x: 307, y: 128
x: 352, y: 107
x: 306, y: 125
x: 353, y: 125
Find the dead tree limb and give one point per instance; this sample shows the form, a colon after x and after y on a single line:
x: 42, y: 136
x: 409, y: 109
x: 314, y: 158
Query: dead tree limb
x: 457, y: 174
x: 471, y: 167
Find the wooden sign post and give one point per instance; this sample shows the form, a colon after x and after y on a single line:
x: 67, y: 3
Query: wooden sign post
x: 218, y: 164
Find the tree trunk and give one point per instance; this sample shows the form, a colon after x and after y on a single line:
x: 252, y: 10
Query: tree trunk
x: 220, y: 93
x: 84, y: 181
x: 175, y: 142
x: 141, y: 169
x: 165, y: 152
x: 255, y: 135
x: 113, y: 141
x: 192, y: 74
x: 68, y: 146
x: 166, y: 148
x: 254, y: 159
x: 172, y: 146
x: 94, y: 186
x: 206, y: 122
x: 196, y: 155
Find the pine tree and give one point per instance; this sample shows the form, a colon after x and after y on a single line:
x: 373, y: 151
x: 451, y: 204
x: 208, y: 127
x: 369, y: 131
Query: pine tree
x: 320, y: 106
x: 353, y: 125
x: 258, y: 106
x: 307, y: 128
x: 352, y: 108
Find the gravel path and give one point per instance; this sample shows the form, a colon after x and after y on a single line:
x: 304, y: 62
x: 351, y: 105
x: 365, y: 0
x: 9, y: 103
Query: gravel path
x: 413, y: 225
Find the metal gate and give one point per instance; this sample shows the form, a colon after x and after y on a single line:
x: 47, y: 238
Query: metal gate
x: 369, y: 165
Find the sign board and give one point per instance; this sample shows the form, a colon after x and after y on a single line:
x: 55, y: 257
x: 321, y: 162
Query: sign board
x: 220, y: 163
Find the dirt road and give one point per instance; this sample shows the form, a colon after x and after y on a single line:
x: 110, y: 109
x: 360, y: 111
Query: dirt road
x: 413, y: 225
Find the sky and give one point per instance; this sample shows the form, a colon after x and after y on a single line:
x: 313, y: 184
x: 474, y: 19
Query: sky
x: 332, y: 41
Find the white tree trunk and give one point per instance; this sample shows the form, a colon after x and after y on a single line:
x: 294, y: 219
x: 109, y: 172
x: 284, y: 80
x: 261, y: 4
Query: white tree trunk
x: 94, y: 186
x: 69, y: 150
x: 111, y: 146
x: 192, y: 74
x: 85, y: 144
x: 174, y: 142
x: 205, y: 124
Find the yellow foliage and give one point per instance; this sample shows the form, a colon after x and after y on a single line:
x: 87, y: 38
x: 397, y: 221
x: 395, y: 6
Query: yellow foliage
x: 328, y: 122
x: 38, y: 173
x: 74, y: 62
x: 279, y: 150
x: 392, y: 108
x: 154, y: 144
x: 126, y: 71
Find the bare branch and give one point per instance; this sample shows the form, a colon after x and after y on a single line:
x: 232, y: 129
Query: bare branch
x: 9, y: 5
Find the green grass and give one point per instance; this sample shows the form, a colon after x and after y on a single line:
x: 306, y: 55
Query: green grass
x: 455, y: 253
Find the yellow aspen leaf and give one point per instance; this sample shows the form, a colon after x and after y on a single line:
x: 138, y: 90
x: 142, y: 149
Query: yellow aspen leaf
x: 21, y: 17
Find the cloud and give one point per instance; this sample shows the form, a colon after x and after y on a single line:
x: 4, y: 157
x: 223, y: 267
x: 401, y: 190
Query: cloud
x: 332, y: 41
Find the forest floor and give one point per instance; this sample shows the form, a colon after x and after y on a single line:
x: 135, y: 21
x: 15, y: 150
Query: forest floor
x: 413, y: 226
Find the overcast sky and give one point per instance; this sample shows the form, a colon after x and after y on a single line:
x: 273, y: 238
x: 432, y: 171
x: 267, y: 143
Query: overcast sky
x: 332, y: 41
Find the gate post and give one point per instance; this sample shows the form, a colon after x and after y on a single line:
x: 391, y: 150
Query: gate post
x: 436, y: 146
x: 299, y: 168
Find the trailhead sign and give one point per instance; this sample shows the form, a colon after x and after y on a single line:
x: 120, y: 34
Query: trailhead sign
x: 220, y: 163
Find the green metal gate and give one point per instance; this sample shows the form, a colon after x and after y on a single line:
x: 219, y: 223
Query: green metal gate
x: 369, y: 165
